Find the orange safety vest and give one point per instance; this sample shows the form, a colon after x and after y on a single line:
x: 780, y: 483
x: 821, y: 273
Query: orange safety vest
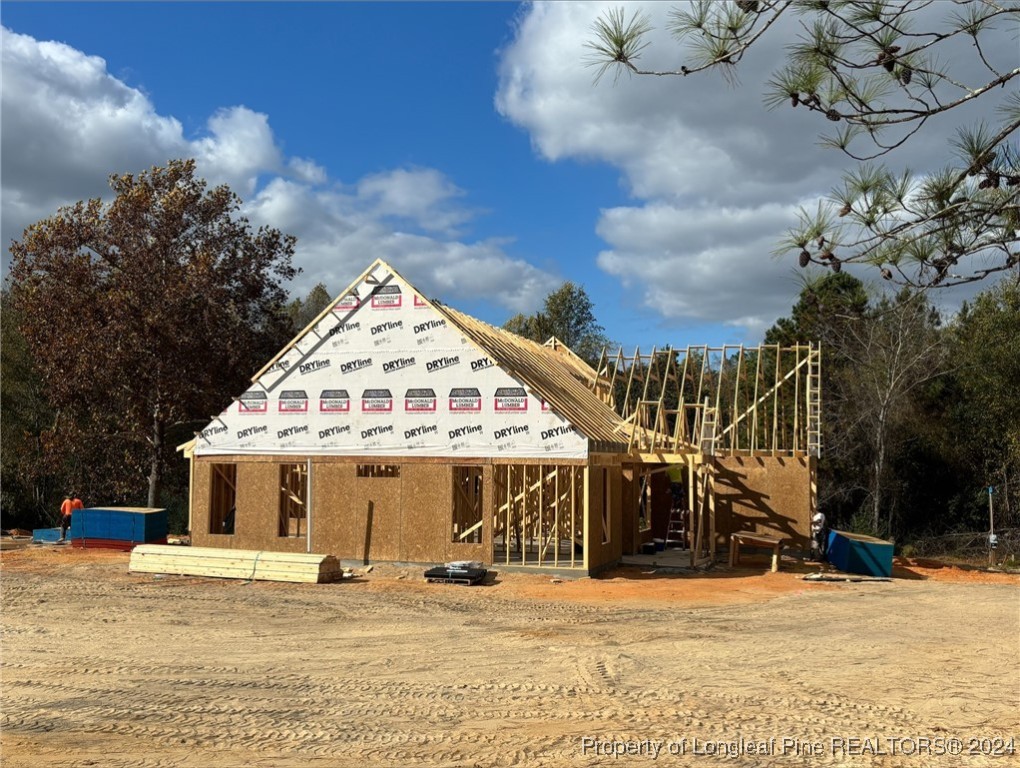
x: 76, y: 503
x: 66, y: 508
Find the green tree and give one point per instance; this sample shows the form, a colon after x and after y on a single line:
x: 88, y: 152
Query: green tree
x: 28, y: 484
x: 303, y: 311
x: 877, y: 72
x: 569, y: 315
x: 823, y: 307
x: 142, y: 315
x: 985, y: 415
x: 879, y: 360
x: 890, y: 356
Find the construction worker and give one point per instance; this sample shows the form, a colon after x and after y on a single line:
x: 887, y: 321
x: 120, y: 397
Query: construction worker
x: 818, y: 537
x: 71, y: 504
x: 65, y: 516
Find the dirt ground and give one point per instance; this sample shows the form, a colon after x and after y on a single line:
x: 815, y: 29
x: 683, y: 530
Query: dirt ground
x: 104, y: 668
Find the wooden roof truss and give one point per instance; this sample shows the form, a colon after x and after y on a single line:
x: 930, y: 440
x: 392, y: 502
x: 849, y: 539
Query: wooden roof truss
x: 728, y: 400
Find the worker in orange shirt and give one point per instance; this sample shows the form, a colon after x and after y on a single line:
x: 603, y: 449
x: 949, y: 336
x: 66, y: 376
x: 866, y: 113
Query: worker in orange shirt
x: 65, y: 516
x: 67, y: 509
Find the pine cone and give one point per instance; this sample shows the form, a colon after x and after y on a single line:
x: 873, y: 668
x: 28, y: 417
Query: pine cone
x: 845, y: 210
x: 794, y: 99
x: 805, y: 258
x: 836, y: 265
x: 833, y: 115
x: 886, y: 274
x: 906, y: 75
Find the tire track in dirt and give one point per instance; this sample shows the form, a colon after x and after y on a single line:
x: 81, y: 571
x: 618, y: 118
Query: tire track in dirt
x: 358, y: 674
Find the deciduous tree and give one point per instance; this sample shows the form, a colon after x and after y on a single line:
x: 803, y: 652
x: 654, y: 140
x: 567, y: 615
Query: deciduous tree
x: 303, y: 311
x: 28, y: 491
x: 985, y: 345
x: 569, y: 315
x: 144, y: 314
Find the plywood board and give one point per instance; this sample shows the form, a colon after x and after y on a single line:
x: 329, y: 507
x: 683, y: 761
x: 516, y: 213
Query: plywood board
x: 334, y: 521
x: 426, y: 491
x: 764, y: 494
x: 201, y: 486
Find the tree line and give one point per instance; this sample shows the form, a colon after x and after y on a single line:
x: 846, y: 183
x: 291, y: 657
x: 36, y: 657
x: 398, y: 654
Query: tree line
x: 127, y: 325
x: 920, y: 416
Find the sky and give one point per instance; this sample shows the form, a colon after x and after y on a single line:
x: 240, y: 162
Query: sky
x: 464, y: 143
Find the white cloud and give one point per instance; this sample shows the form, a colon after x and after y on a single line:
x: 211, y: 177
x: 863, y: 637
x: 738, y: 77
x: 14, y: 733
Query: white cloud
x: 716, y: 179
x: 421, y: 195
x: 713, y: 190
x: 701, y: 263
x: 339, y: 238
x: 67, y: 124
x: 307, y: 170
x: 239, y: 147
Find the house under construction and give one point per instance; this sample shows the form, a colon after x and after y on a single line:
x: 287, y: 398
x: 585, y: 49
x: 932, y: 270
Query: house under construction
x: 394, y: 428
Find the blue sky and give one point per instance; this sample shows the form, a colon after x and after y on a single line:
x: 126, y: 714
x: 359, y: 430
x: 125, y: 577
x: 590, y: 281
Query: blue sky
x: 463, y: 142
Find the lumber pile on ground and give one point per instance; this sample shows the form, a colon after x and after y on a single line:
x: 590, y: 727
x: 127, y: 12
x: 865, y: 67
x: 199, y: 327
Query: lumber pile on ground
x: 247, y: 564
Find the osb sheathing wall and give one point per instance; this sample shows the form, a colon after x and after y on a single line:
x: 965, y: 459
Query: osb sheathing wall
x: 369, y: 519
x: 258, y: 503
x: 602, y: 554
x: 630, y: 490
x: 764, y: 494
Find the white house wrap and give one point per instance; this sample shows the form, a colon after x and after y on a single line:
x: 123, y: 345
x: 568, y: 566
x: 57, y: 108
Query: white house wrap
x: 386, y: 374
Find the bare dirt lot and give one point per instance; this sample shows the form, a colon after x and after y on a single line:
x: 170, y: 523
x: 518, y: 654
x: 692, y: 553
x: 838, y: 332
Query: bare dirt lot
x: 106, y: 668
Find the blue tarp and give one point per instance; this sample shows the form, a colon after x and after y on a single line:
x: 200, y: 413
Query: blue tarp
x: 50, y: 535
x: 855, y: 553
x: 119, y: 524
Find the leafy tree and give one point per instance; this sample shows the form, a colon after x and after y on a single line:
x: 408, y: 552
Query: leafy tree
x: 569, y: 315
x: 878, y: 72
x: 890, y: 355
x: 878, y: 358
x: 823, y: 306
x: 985, y: 415
x: 143, y: 314
x: 28, y: 489
x: 303, y: 311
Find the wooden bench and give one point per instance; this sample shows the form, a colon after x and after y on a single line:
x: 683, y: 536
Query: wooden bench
x: 747, y: 538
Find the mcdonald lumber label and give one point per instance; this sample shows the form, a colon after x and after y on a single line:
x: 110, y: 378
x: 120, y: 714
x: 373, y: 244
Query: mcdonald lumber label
x: 293, y: 401
x: 334, y: 401
x: 512, y: 399
x: 420, y: 401
x: 348, y: 303
x: 253, y: 402
x: 376, y: 401
x: 386, y: 297
x: 465, y: 399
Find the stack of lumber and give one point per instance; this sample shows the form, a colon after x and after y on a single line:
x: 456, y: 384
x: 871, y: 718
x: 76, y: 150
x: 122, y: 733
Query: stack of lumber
x: 247, y: 564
